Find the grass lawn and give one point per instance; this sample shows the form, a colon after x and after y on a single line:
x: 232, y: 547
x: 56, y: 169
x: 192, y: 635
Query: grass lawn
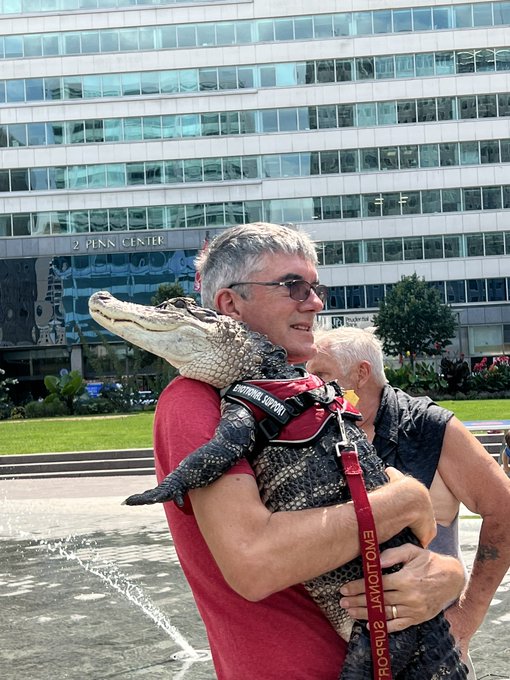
x: 135, y: 431
x: 479, y: 409
x: 76, y: 434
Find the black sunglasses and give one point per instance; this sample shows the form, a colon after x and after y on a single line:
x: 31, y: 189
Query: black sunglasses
x: 299, y: 290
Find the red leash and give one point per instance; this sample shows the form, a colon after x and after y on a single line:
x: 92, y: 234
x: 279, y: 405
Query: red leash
x: 370, y: 555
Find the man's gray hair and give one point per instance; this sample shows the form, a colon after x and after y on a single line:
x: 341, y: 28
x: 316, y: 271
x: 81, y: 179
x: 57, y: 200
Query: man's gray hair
x: 350, y: 346
x: 238, y: 252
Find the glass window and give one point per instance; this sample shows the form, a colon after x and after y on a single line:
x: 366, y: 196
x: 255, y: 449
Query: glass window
x: 451, y: 200
x: 245, y: 77
x: 410, y: 203
x: 385, y: 67
x: 290, y: 165
x: 491, y: 198
x: 413, y: 249
x: 372, y: 205
x: 482, y: 14
x: 17, y: 135
x: 425, y: 64
x: 303, y: 28
x: 504, y: 104
x: 173, y: 172
x: 366, y: 114
x: 351, y: 206
x: 210, y: 124
x: 369, y: 159
x: 487, y: 106
x: 329, y: 163
x: 388, y: 158
x: 391, y: 203
x: 50, y: 45
x: 406, y: 111
x: 344, y: 70
x: 433, y: 247
x: 271, y: 166
x: 448, y: 154
x: 429, y: 156
x: 455, y: 291
x: 446, y: 108
x: 364, y: 68
x: 267, y: 76
x: 402, y: 20
x: 90, y: 42
x: 474, y: 245
x: 494, y: 243
x: 151, y: 127
x: 132, y: 129
x: 375, y: 293
x: 331, y: 208
x: 408, y: 156
x: 342, y: 24
x: 212, y: 170
x: 36, y: 134
x: 485, y: 60
x: 426, y: 110
x: 345, y: 115
x: 463, y: 16
x: 353, y: 252
x: 15, y: 90
x: 323, y: 26
x: 269, y: 120
x: 469, y: 153
x: 452, y: 246
x: 442, y: 17
x: 98, y: 220
x: 32, y: 46
x: 208, y: 79
x: 333, y: 253
x: 355, y: 297
x: 489, y: 151
x: 130, y: 84
x: 422, y: 19
x: 149, y: 82
x: 374, y: 250
x: 327, y: 117
x: 467, y: 107
x: 502, y: 60
x: 111, y: 86
x: 34, y: 89
x: 21, y: 224
x: 188, y: 80
x: 444, y: 63
x: 109, y: 41
x: 325, y: 69
x: 386, y: 113
x: 229, y: 123
x: 496, y: 290
x: 336, y: 297
x: 382, y: 21
x: 501, y: 13
x: 206, y: 35
x: 113, y: 130
x: 349, y: 160
x: 465, y: 61
x: 225, y: 34
x: 227, y: 78
x: 393, y: 250
x: 476, y: 290
x: 362, y: 23
x: 287, y: 120
x: 431, y: 201
x: 404, y: 66
x: 186, y: 35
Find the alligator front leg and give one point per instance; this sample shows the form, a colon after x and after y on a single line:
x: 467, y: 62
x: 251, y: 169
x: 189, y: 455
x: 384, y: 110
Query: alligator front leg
x: 234, y: 439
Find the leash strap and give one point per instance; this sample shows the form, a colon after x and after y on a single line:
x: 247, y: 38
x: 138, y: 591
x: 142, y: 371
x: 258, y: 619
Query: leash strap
x: 348, y: 454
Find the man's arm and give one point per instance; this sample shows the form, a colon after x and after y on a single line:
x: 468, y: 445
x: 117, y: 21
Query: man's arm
x: 260, y: 552
x: 474, y: 477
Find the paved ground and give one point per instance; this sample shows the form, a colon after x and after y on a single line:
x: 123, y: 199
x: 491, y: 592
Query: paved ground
x: 91, y: 590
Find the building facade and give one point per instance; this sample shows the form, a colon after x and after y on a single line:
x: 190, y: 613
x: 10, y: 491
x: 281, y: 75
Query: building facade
x: 131, y: 131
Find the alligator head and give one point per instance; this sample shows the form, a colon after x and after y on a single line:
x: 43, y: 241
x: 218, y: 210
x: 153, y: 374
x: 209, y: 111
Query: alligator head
x: 199, y: 342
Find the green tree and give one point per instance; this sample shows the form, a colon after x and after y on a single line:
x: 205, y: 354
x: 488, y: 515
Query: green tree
x: 412, y: 320
x: 166, y: 291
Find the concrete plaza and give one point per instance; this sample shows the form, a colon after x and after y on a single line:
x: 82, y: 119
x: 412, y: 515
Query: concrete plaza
x: 91, y: 589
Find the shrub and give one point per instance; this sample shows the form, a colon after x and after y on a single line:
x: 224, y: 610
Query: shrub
x: 96, y: 406
x: 45, y: 409
x: 490, y: 379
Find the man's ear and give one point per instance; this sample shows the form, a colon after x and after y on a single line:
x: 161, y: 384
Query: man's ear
x: 227, y: 302
x: 364, y: 372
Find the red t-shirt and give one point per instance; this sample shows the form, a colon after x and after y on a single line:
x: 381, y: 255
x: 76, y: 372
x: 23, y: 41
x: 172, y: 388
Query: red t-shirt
x: 283, y: 636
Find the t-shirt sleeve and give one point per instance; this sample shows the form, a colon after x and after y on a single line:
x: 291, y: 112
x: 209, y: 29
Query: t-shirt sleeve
x: 187, y: 415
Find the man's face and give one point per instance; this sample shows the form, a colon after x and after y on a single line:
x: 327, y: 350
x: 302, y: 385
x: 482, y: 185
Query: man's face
x: 271, y: 310
x: 328, y: 368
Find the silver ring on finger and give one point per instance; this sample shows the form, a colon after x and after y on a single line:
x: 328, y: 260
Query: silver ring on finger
x: 394, y: 612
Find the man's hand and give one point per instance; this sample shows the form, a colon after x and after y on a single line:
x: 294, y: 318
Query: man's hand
x: 424, y: 586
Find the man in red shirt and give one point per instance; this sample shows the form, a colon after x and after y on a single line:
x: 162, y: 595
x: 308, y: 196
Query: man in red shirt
x: 243, y: 563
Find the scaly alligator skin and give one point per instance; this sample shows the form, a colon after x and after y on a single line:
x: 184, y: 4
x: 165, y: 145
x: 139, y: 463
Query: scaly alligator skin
x: 218, y: 350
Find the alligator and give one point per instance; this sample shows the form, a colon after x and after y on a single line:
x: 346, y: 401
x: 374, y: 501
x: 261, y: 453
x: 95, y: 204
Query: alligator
x: 224, y: 353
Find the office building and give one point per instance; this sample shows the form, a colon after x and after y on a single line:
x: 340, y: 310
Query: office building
x: 130, y: 131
